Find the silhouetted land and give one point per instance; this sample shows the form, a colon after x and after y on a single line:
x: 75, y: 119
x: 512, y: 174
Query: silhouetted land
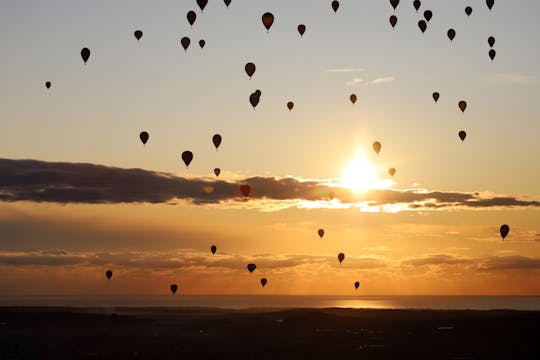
x: 181, y: 333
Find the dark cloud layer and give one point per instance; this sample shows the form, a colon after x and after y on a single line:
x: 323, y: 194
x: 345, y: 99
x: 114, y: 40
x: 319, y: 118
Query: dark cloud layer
x: 39, y: 181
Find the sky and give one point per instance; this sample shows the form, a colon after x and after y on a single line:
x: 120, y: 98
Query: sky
x: 80, y: 193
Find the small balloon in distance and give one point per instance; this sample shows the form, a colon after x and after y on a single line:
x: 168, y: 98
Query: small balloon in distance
x: 353, y: 98
x: 290, y: 105
x: 216, y: 140
x: 428, y: 15
x: 185, y: 41
x: 108, y: 274
x: 335, y: 6
x: 213, y: 249
x: 393, y: 21
x: 138, y: 34
x: 250, y: 69
x: 267, y: 20
x: 187, y: 157
x: 217, y: 171
x: 435, y: 96
x: 85, y: 54
x: 377, y: 147
x: 422, y: 25
x: 394, y: 3
x: 48, y: 84
x: 417, y: 4
x: 263, y: 282
x: 251, y: 267
x: 144, y: 136
x: 321, y: 233
x: 245, y: 190
x: 173, y: 288
x: 301, y: 29
x: 504, y: 230
x: 391, y: 171
x: 202, y: 4
x: 341, y: 257
x: 356, y: 285
x: 191, y: 17
x: 462, y: 135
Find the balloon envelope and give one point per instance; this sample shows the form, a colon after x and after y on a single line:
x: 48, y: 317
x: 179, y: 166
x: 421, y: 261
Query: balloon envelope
x: 217, y: 171
x: 491, y: 41
x: 173, y: 288
x: 85, y: 54
x: 202, y: 43
x: 436, y: 96
x: 213, y: 249
x: 251, y: 267
x: 267, y: 20
x: 451, y: 34
x: 393, y: 21
x: 48, y: 84
x: 290, y: 105
x: 356, y: 285
x: 353, y: 98
x: 391, y: 171
x: 144, y: 137
x: 227, y: 2
x: 185, y: 42
x: 340, y: 257
x: 254, y: 99
x: 216, y: 139
x: 138, y: 34
x: 416, y: 4
x: 108, y: 274
x: 422, y: 25
x: 377, y: 147
x: 263, y: 282
x: 468, y: 10
x: 202, y: 4
x: 187, y: 157
x: 462, y: 105
x: 250, y: 69
x: 492, y: 54
x: 321, y: 233
x: 335, y: 5
x: 490, y: 3
x: 462, y: 135
x: 245, y: 190
x: 191, y: 17
x: 428, y: 15
x: 394, y: 3
x: 301, y: 29
x: 504, y: 230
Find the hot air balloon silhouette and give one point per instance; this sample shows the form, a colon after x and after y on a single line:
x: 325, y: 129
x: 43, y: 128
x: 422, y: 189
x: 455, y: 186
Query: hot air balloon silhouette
x: 340, y: 257
x: 422, y: 25
x: 462, y: 105
x: 490, y: 4
x: 108, y: 274
x: 187, y: 157
x: 451, y: 34
x: 436, y: 96
x: 353, y: 98
x: 462, y: 135
x: 185, y: 41
x: 504, y: 230
x: 216, y: 139
x: 491, y: 41
x: 301, y: 29
x: 144, y: 137
x: 391, y: 171
x: 202, y: 4
x: 138, y: 34
x: 356, y: 285
x: 468, y: 10
x: 251, y: 267
x: 173, y: 288
x: 335, y: 5
x: 290, y: 105
x: 263, y: 282
x: 254, y: 98
x: 321, y: 233
x: 393, y: 21
x: 217, y: 171
x: 250, y: 69
x: 245, y: 189
x: 227, y: 2
x: 394, y: 3
x: 85, y: 54
x: 191, y: 17
x: 48, y: 84
x: 202, y: 43
x: 416, y: 4
x: 213, y: 249
x: 377, y: 147
x: 267, y: 20
x: 428, y: 15
x: 492, y: 54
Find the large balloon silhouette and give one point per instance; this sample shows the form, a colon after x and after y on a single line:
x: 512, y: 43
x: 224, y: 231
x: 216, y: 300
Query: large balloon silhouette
x: 416, y: 4
x: 321, y: 233
x: 85, y: 54
x: 213, y: 249
x: 504, y: 230
x: 451, y: 34
x: 340, y: 257
x: 377, y: 147
x: 216, y: 139
x: 462, y: 135
x: 462, y: 105
x: 436, y: 96
x: 250, y: 69
x: 394, y: 3
x: 48, y: 84
x: 245, y: 190
x: 144, y: 137
x: 301, y: 29
x: 185, y: 41
x: 187, y: 157
x: 173, y: 288
x: 335, y: 5
x: 191, y: 17
x: 490, y: 3
x: 202, y: 4
x: 138, y: 34
x: 108, y: 274
x: 356, y: 285
x: 263, y: 282
x: 251, y: 267
x: 227, y: 2
x: 267, y: 20
x: 393, y: 21
x: 217, y: 171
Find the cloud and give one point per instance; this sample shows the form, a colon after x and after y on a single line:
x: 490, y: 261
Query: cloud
x: 354, y: 81
x: 493, y: 263
x: 514, y: 78
x: 65, y: 183
x: 345, y: 70
x: 382, y: 80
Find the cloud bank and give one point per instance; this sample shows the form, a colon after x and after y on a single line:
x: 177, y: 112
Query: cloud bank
x: 65, y: 183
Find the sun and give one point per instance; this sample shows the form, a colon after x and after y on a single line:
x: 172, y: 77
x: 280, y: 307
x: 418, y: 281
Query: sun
x: 361, y: 176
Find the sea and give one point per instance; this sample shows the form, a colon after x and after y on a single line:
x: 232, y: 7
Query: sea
x: 529, y: 303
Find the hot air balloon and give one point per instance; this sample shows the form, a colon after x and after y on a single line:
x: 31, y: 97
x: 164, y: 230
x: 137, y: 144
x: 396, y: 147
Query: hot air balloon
x: 492, y: 54
x: 451, y: 34
x: 290, y: 105
x: 108, y: 274
x: 301, y: 29
x: 216, y: 139
x: 267, y: 20
x: 428, y: 15
x: 462, y: 135
x: 422, y: 25
x: 251, y: 267
x: 263, y: 282
x: 48, y: 84
x: 394, y: 3
x: 185, y: 42
x: 462, y: 105
x: 321, y: 233
x: 340, y: 257
x: 144, y: 137
x: 468, y: 10
x: 202, y: 4
x: 173, y: 288
x: 335, y: 5
x: 85, y: 54
x: 213, y: 249
x: 245, y: 189
x: 191, y: 17
x: 436, y: 96
x: 504, y: 230
x: 227, y: 2
x: 255, y: 98
x: 391, y: 171
x: 217, y: 171
x: 187, y: 156
x: 491, y: 41
x: 250, y: 69
x: 393, y: 21
x: 490, y: 3
x: 202, y: 43
x: 377, y: 147
x: 416, y: 4
x: 138, y: 34
x: 356, y: 285
x: 353, y: 98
